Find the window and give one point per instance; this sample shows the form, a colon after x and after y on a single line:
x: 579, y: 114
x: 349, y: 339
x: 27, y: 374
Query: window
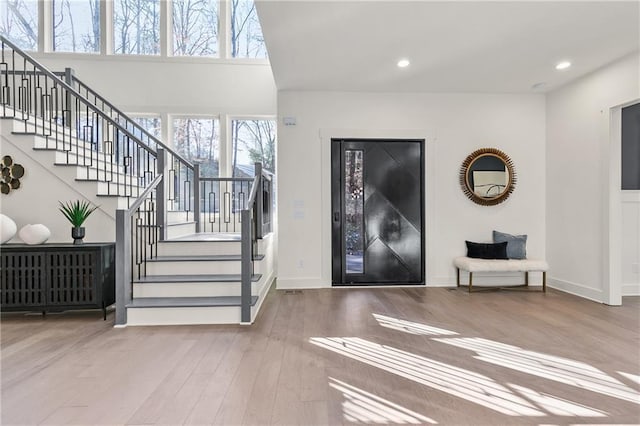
x: 152, y: 124
x: 197, y: 139
x: 76, y: 26
x: 195, y: 27
x: 136, y: 27
x: 19, y: 22
x: 246, y: 35
x: 253, y: 141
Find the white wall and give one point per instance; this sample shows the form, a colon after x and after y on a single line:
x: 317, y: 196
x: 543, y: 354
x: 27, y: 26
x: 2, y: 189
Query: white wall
x: 43, y: 185
x: 174, y: 85
x: 578, y: 154
x: 453, y: 126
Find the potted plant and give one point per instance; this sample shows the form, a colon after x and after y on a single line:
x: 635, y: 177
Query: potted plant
x: 77, y: 212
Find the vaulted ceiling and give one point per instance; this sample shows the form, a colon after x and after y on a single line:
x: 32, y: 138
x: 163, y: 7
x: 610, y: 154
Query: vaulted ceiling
x: 453, y: 46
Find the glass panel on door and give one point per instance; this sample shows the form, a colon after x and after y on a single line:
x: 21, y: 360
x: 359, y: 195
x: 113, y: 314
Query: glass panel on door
x: 354, y: 209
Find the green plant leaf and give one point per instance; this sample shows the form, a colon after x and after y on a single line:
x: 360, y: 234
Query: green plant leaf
x: 77, y: 211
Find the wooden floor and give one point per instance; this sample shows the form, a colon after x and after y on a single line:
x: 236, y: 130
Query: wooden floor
x: 344, y: 356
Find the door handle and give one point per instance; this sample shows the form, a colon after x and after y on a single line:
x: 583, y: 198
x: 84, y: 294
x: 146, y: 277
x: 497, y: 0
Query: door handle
x: 336, y: 216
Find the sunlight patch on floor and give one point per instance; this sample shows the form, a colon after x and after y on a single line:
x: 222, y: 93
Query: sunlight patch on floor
x: 455, y: 381
x: 632, y: 377
x: 550, y: 367
x: 558, y: 406
x: 360, y: 406
x: 411, y: 327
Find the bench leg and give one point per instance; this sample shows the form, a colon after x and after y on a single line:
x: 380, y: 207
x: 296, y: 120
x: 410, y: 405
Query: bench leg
x: 458, y: 277
x: 526, y: 278
x: 470, y: 281
x: 544, y: 281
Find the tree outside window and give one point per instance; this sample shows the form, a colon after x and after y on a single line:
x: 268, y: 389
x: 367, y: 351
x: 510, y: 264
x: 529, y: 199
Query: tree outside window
x: 195, y: 27
x: 153, y: 125
x: 19, y: 22
x: 197, y: 139
x: 253, y: 141
x: 246, y: 34
x: 76, y: 26
x: 136, y: 27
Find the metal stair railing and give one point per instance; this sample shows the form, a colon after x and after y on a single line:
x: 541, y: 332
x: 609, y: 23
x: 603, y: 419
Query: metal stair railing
x: 70, y: 124
x: 137, y: 237
x: 182, y: 177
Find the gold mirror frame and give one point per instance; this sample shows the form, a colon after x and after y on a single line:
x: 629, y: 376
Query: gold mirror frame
x: 466, y: 167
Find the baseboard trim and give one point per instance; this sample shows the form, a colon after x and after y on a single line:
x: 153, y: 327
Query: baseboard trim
x: 576, y: 289
x: 300, y: 283
x: 631, y: 289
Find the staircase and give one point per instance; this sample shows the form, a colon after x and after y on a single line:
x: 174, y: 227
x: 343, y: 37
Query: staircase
x: 168, y: 272
x: 180, y: 289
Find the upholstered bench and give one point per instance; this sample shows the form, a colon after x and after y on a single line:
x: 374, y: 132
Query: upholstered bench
x: 472, y: 265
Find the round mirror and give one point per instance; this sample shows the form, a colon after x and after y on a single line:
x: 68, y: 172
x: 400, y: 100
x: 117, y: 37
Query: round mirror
x: 487, y: 176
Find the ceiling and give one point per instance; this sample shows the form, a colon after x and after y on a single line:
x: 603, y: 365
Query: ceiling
x: 453, y: 46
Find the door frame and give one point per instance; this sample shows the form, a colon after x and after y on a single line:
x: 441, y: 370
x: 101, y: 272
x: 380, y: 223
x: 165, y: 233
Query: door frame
x: 611, y: 130
x: 337, y: 197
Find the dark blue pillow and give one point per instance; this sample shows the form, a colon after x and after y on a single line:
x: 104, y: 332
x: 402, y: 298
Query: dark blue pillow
x: 487, y: 250
x: 516, y: 244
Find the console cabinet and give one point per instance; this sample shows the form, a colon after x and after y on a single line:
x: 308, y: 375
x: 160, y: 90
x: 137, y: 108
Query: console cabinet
x: 57, y: 277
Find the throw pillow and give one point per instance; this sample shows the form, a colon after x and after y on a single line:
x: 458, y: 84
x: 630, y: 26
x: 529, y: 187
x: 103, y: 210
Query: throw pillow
x: 516, y: 244
x: 486, y: 250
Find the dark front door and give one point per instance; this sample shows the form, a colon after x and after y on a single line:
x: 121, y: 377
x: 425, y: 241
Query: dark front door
x: 377, y: 212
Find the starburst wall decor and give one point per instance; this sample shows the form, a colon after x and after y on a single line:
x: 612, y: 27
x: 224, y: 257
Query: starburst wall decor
x: 10, y: 174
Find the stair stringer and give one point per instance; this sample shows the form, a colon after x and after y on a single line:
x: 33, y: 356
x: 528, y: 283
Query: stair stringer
x: 268, y: 267
x: 44, y: 184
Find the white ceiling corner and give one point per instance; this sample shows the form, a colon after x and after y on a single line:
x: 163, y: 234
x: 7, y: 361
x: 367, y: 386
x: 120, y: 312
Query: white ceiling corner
x: 454, y: 46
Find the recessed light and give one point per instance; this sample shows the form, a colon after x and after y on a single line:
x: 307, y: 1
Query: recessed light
x: 403, y: 63
x: 563, y: 65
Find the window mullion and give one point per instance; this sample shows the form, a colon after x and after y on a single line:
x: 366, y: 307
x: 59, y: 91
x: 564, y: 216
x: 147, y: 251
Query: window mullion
x: 166, y: 28
x: 45, y: 24
x: 224, y: 16
x: 106, y: 27
x: 226, y: 150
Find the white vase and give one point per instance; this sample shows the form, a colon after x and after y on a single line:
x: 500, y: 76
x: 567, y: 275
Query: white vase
x: 8, y: 228
x: 34, y: 234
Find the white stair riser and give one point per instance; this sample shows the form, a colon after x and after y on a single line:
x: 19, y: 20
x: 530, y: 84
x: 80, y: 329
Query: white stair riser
x: 189, y: 289
x: 88, y: 161
x: 183, y: 316
x: 179, y: 230
x: 178, y: 216
x: 35, y: 126
x: 179, y: 248
x: 214, y: 224
x: 50, y: 142
x: 200, y: 248
x: 122, y: 189
x: 197, y: 267
x: 91, y: 173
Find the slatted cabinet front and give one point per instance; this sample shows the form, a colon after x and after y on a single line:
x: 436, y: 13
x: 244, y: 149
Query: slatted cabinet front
x: 57, y: 276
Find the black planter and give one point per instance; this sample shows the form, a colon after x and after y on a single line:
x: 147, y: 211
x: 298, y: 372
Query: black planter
x: 77, y: 234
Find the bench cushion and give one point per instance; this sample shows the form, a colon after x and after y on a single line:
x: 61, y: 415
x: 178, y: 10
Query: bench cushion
x: 499, y: 265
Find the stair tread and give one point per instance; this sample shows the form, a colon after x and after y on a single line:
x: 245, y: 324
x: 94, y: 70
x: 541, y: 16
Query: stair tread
x: 187, y: 302
x: 203, y: 258
x: 207, y: 237
x: 178, y: 278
